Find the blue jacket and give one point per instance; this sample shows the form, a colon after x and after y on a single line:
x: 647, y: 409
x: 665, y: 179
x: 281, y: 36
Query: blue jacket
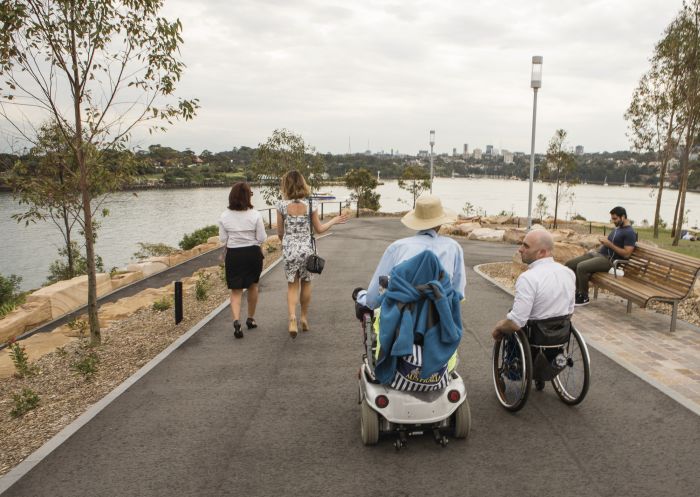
x: 406, y: 311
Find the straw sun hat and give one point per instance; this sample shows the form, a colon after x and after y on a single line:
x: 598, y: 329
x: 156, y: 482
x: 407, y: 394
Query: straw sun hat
x: 428, y: 213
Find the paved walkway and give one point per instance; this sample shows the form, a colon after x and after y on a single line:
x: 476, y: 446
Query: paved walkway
x: 267, y: 416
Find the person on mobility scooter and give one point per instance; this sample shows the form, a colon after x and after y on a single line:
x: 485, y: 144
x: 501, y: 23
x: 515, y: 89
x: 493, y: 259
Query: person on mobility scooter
x: 407, y: 381
x: 537, y: 340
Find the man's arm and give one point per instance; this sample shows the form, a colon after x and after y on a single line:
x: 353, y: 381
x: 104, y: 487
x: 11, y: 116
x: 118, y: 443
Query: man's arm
x: 459, y: 279
x: 386, y: 263
x: 520, y: 313
x: 624, y: 252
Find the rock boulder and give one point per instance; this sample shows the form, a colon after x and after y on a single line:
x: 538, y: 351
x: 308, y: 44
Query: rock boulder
x: 487, y: 235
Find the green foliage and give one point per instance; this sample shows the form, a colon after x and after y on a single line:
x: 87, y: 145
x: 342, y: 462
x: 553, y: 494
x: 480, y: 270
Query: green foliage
x: 18, y: 355
x: 24, y: 401
x: 10, y: 295
x: 60, y: 268
x: 415, y: 180
x: 147, y: 250
x: 87, y: 363
x: 363, y: 183
x: 285, y: 151
x: 578, y: 217
x: 79, y: 326
x: 198, y: 237
x: 202, y: 286
x: 162, y: 304
x: 559, y: 167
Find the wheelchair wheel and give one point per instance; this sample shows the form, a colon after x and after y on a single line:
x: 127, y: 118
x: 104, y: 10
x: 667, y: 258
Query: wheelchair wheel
x: 572, y: 383
x: 462, y: 421
x: 369, y: 425
x: 512, y: 370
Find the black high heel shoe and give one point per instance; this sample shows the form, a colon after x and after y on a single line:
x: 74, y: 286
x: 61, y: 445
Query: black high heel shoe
x: 237, y: 332
x: 250, y: 323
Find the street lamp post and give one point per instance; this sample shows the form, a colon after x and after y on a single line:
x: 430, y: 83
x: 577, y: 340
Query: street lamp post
x: 432, y: 143
x: 535, y: 84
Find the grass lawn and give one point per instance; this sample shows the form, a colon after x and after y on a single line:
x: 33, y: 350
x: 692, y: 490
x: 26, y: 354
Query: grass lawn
x: 664, y: 241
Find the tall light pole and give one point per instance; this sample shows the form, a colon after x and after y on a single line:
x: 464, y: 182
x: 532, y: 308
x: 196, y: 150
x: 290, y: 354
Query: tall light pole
x: 535, y: 84
x: 432, y: 143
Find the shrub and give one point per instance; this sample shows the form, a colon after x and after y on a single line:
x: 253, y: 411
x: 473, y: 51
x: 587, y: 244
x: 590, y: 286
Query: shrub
x: 198, y: 237
x: 201, y: 287
x: 578, y: 217
x: 10, y: 296
x: 147, y: 250
x: 79, y: 325
x: 18, y: 355
x: 86, y: 365
x: 162, y: 304
x: 25, y: 401
x: 59, y: 269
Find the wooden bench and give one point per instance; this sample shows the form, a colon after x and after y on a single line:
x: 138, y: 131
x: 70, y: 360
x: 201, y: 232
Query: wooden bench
x: 651, y: 274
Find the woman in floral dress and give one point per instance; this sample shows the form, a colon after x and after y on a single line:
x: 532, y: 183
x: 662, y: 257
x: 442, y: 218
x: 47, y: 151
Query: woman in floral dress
x: 294, y: 230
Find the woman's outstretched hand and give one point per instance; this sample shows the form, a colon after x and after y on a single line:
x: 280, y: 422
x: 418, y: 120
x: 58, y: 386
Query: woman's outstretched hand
x: 342, y: 219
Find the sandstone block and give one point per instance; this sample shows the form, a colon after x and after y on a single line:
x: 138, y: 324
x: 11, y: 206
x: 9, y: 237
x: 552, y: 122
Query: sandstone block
x: 68, y: 295
x: 466, y: 228
x: 147, y: 268
x: 487, y: 235
x: 565, y: 251
x: 123, y: 279
x: 24, y: 318
x: 514, y: 235
x: 587, y: 241
x: 214, y: 240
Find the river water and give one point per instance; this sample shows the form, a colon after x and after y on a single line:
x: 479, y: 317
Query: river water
x: 166, y: 215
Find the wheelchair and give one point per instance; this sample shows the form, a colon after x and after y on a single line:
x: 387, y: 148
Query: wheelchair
x: 387, y: 411
x: 546, y: 350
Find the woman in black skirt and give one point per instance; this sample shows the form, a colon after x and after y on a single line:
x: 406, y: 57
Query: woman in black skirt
x: 241, y: 228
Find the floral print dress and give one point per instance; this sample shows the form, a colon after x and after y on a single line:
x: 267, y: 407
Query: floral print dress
x: 296, y: 243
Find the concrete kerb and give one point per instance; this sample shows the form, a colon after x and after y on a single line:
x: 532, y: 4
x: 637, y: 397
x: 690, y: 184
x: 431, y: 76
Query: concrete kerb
x: 600, y: 347
x: 42, y: 452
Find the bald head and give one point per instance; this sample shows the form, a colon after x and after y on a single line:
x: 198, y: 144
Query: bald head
x: 537, y: 244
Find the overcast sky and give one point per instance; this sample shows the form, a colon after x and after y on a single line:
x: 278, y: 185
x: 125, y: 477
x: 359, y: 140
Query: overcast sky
x: 380, y: 74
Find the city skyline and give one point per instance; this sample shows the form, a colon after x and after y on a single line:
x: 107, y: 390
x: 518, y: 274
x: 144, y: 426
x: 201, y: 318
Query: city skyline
x: 386, y: 73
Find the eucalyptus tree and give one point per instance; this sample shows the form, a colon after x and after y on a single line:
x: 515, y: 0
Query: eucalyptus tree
x: 96, y: 68
x: 363, y: 183
x: 652, y: 121
x: 415, y: 180
x: 559, y: 167
x: 285, y: 151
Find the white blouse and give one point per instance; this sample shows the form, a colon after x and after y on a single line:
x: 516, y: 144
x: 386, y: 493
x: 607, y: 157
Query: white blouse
x: 241, y: 228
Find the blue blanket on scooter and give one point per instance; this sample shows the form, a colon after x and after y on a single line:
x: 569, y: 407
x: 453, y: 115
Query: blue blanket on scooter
x: 420, y: 300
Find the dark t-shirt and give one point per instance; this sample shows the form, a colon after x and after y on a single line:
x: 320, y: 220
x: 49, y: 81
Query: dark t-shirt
x: 621, y: 237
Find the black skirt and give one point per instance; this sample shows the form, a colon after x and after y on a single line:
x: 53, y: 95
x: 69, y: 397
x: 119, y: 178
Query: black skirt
x: 243, y: 266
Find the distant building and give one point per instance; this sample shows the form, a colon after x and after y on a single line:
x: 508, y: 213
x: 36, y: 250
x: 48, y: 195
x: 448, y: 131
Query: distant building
x: 579, y: 149
x: 507, y: 157
x: 423, y: 154
x: 489, y: 150
x: 477, y: 153
x: 454, y: 152
x: 465, y: 154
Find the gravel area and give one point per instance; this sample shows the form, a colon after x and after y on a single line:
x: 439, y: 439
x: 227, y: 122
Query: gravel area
x: 688, y: 309
x: 65, y: 393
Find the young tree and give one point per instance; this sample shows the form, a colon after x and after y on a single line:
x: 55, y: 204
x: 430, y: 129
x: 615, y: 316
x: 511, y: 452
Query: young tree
x: 285, y: 151
x: 415, y: 180
x: 363, y: 183
x: 559, y: 167
x: 96, y: 68
x: 652, y: 120
x: 541, y: 206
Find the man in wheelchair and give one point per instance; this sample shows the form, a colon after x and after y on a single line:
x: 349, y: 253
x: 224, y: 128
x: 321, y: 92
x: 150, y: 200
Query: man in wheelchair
x: 544, y: 299
x: 420, y: 326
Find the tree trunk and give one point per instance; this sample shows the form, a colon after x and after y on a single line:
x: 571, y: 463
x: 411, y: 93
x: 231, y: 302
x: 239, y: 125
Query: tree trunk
x: 69, y: 253
x: 678, y: 203
x: 657, y: 212
x: 681, y: 195
x: 556, y: 204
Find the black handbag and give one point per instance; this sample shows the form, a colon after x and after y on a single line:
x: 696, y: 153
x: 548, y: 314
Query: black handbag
x: 314, y: 263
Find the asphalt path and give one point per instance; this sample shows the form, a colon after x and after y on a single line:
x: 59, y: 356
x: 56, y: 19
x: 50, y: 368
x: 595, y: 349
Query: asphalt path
x: 268, y: 416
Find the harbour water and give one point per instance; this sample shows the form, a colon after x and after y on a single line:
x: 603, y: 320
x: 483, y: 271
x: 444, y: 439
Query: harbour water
x: 166, y: 215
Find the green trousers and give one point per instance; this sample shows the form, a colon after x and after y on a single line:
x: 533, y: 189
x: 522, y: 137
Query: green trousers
x: 585, y: 265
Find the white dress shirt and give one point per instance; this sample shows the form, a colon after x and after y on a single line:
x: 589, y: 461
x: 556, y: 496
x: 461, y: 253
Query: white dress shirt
x: 241, y: 228
x: 546, y: 290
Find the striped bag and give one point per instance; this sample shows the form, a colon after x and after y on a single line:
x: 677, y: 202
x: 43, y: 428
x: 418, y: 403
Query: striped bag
x: 407, y: 377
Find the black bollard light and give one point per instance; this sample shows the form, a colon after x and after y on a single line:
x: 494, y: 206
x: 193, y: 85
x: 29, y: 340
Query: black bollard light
x: 178, y: 302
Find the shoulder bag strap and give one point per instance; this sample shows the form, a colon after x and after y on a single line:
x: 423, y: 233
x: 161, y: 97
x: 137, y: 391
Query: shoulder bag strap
x: 311, y: 226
